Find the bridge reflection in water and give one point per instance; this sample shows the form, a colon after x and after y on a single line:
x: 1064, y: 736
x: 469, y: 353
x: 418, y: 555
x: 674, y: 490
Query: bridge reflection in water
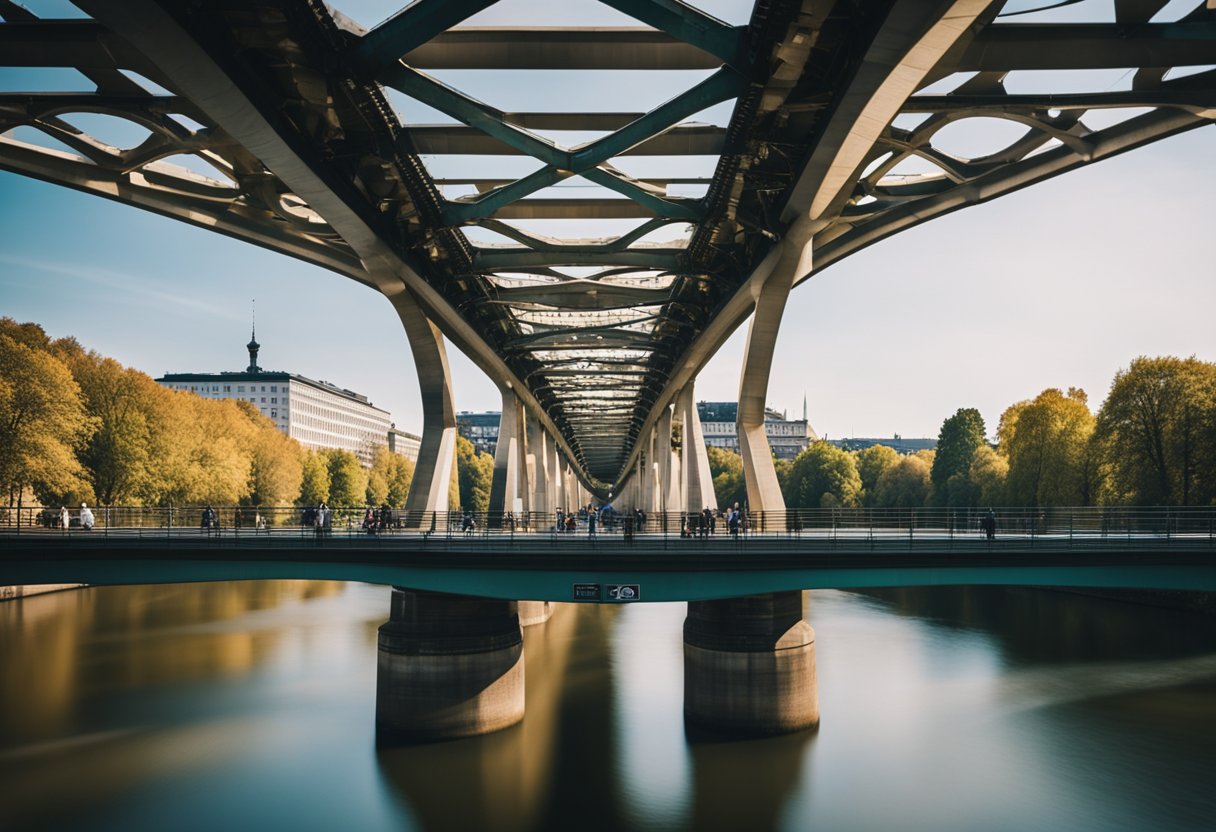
x: 451, y: 656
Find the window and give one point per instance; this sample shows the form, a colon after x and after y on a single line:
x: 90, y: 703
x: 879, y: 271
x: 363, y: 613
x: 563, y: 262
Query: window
x: 263, y: 397
x: 274, y: 414
x: 273, y: 399
x: 240, y: 388
x: 227, y: 388
x: 274, y: 389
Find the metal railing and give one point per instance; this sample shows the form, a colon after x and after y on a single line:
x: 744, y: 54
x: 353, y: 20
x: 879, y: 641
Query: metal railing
x: 793, y: 528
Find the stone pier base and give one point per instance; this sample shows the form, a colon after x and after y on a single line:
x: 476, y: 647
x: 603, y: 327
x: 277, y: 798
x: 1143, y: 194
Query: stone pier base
x: 448, y: 666
x: 534, y: 612
x: 749, y: 666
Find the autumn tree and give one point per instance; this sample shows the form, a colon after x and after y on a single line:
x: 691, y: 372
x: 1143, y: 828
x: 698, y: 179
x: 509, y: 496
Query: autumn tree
x: 475, y: 472
x: 822, y: 476
x: 1156, y: 432
x: 871, y: 463
x: 907, y: 483
x: 987, y: 475
x: 43, y: 422
x: 961, y: 435
x: 1046, y: 442
x: 388, y: 480
x: 347, y: 479
x: 314, y: 479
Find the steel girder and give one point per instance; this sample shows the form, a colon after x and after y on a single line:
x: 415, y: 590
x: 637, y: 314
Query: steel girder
x: 596, y: 335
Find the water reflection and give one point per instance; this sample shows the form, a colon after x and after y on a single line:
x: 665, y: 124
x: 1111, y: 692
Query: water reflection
x: 252, y: 705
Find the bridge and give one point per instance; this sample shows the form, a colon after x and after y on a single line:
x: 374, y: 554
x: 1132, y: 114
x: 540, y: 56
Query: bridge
x: 594, y: 342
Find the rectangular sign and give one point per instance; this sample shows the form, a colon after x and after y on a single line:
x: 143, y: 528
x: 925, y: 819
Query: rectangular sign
x: 624, y: 592
x: 586, y: 592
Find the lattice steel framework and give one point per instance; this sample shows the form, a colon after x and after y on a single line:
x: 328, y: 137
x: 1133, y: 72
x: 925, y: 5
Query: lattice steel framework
x: 835, y: 104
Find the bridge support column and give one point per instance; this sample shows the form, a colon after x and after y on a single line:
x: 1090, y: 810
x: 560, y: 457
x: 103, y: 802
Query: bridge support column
x: 539, y: 446
x: 505, y: 486
x: 448, y: 666
x: 429, y: 489
x: 662, y: 455
x: 759, y: 474
x: 749, y: 665
x: 698, y: 487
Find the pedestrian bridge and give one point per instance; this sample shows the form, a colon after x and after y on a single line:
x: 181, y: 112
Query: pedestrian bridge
x: 659, y: 565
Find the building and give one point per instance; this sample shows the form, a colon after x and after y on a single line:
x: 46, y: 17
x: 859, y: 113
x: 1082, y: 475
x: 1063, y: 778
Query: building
x: 786, y: 437
x: 406, y: 444
x: 897, y: 442
x: 480, y: 428
x: 317, y: 414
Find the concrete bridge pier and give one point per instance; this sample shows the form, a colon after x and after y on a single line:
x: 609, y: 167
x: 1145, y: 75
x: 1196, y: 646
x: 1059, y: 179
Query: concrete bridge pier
x: 448, y: 666
x: 749, y: 666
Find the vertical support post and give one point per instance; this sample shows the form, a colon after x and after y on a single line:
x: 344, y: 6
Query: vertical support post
x: 552, y: 475
x: 538, y: 463
x: 694, y: 463
x: 662, y: 453
x: 505, y: 485
x: 428, y: 493
x: 760, y: 475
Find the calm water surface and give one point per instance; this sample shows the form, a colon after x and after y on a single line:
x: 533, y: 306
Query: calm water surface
x: 251, y: 705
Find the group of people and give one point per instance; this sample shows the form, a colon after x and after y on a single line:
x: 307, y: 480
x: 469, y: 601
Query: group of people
x: 86, y: 518
x: 733, y: 518
x: 376, y: 521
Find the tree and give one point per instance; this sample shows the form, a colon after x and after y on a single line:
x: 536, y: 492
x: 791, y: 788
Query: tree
x: 314, y: 479
x: 1156, y: 432
x: 961, y: 435
x: 726, y: 470
x: 276, y: 469
x: 476, y: 473
x: 1046, y: 442
x: 823, y: 476
x: 43, y: 422
x: 906, y: 484
x: 389, y: 479
x: 871, y: 463
x: 347, y: 479
x: 987, y: 476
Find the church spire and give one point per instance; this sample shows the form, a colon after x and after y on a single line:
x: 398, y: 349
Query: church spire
x: 253, y: 346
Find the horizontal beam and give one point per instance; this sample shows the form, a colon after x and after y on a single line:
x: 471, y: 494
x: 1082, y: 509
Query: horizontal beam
x: 1012, y: 46
x: 456, y: 139
x: 1184, y: 98
x: 490, y: 260
x: 570, y: 209
x: 558, y: 48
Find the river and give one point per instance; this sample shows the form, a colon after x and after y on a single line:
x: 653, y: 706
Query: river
x: 250, y: 706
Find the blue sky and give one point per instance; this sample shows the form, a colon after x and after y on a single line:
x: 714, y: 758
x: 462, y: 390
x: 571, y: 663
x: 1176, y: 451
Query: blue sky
x: 1059, y: 284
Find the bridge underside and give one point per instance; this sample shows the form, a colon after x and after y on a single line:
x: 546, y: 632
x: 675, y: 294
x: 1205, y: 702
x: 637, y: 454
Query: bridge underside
x: 591, y: 261
x: 660, y: 575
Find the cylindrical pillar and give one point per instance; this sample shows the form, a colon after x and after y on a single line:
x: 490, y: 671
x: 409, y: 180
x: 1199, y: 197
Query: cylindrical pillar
x: 448, y: 666
x: 749, y: 665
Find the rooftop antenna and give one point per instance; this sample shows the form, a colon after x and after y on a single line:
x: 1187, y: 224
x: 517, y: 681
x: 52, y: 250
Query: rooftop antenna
x: 253, y: 344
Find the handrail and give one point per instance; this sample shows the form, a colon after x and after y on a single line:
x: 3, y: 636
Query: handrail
x: 850, y: 528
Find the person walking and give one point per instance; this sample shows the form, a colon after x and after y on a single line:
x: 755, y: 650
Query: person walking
x: 592, y: 521
x: 65, y: 519
x: 86, y: 517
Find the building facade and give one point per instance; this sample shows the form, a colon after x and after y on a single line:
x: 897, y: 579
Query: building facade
x: 317, y: 414
x: 786, y: 437
x: 406, y: 444
x: 480, y: 428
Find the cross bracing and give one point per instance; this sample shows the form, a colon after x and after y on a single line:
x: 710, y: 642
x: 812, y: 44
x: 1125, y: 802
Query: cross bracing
x: 274, y: 122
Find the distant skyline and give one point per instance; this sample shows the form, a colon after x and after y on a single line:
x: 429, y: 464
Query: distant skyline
x: 1060, y: 284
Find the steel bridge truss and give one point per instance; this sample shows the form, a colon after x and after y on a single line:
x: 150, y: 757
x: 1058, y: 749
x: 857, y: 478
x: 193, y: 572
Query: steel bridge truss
x: 272, y: 122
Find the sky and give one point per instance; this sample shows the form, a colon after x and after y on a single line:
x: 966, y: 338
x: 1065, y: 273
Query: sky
x: 1060, y: 284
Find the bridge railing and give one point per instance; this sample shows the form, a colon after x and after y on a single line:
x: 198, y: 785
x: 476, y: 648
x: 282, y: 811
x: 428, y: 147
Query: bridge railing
x: 848, y: 526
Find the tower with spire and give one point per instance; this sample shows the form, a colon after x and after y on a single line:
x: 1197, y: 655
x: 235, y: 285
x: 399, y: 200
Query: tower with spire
x: 253, y: 346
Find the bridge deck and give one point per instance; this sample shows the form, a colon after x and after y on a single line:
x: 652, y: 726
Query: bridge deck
x: 548, y: 566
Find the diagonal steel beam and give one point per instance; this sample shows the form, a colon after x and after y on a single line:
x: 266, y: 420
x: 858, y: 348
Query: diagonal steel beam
x: 410, y: 28
x: 689, y: 25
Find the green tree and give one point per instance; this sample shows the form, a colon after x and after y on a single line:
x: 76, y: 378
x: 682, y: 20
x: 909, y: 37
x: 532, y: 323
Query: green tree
x: 388, y: 480
x: 906, y: 484
x: 961, y: 435
x: 314, y: 479
x: 823, y: 476
x: 1156, y: 432
x: 1046, y: 442
x: 726, y: 470
x: 276, y: 464
x: 871, y: 463
x: 347, y: 479
x: 43, y: 422
x: 476, y: 473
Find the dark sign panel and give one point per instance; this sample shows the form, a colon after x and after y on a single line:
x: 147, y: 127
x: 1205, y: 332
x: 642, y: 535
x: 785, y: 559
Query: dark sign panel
x: 586, y: 592
x: 624, y: 592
